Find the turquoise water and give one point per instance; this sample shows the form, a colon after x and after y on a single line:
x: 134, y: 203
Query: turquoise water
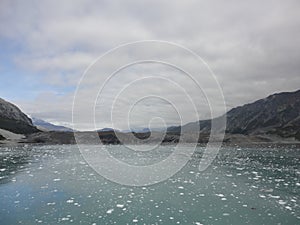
x: 54, y: 185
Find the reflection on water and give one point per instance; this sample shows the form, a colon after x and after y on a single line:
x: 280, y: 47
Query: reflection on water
x: 12, y: 160
x: 54, y: 185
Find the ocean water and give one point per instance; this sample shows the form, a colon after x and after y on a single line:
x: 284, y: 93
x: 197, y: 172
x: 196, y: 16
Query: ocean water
x: 54, y: 185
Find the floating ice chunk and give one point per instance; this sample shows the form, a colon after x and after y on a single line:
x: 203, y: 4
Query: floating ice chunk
x: 109, y: 211
x: 281, y: 202
x: 267, y: 190
x: 120, y: 206
x: 51, y: 203
x: 273, y: 196
x: 220, y: 195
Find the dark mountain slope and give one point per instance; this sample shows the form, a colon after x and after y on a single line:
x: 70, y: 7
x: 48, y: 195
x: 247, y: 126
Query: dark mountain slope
x: 277, y: 114
x: 14, y: 120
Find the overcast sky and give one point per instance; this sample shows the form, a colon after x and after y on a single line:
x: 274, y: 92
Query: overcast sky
x: 253, y: 48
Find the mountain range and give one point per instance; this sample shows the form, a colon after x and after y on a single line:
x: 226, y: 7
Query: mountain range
x: 274, y: 118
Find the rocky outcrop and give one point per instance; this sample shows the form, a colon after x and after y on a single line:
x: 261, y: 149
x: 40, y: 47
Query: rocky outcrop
x: 14, y: 120
x: 2, y: 138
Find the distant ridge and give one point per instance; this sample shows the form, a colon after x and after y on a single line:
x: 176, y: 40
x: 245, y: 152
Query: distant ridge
x: 107, y: 129
x: 46, y: 126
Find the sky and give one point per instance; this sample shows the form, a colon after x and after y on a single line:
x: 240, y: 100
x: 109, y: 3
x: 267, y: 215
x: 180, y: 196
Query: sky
x: 252, y: 47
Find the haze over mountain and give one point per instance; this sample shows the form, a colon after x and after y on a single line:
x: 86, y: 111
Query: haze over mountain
x: 46, y: 126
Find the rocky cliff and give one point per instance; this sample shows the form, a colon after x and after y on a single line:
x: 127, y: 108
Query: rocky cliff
x: 14, y: 120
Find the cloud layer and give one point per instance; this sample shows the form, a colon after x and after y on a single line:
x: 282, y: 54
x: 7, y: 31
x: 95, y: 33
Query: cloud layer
x: 252, y: 47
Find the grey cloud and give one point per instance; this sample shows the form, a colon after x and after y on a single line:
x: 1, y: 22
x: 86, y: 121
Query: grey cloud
x: 252, y: 47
